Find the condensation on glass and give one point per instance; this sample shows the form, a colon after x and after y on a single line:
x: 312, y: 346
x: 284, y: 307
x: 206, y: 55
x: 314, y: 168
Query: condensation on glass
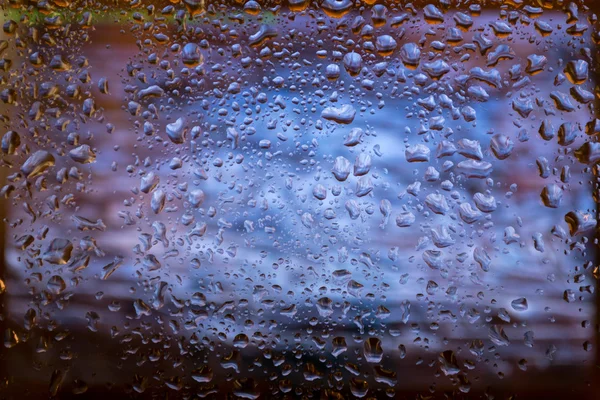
x: 298, y: 199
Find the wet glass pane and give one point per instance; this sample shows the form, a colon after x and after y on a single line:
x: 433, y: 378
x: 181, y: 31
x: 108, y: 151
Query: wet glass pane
x: 296, y: 199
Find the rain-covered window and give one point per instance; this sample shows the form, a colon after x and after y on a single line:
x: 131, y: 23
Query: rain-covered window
x: 299, y: 199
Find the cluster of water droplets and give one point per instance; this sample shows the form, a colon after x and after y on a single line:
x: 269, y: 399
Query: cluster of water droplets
x: 265, y: 200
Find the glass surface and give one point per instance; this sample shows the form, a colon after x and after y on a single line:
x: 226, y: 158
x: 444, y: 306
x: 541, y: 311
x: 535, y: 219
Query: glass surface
x: 297, y: 199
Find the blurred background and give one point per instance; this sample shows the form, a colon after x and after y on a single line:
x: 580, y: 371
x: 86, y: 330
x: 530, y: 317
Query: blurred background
x: 249, y: 293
